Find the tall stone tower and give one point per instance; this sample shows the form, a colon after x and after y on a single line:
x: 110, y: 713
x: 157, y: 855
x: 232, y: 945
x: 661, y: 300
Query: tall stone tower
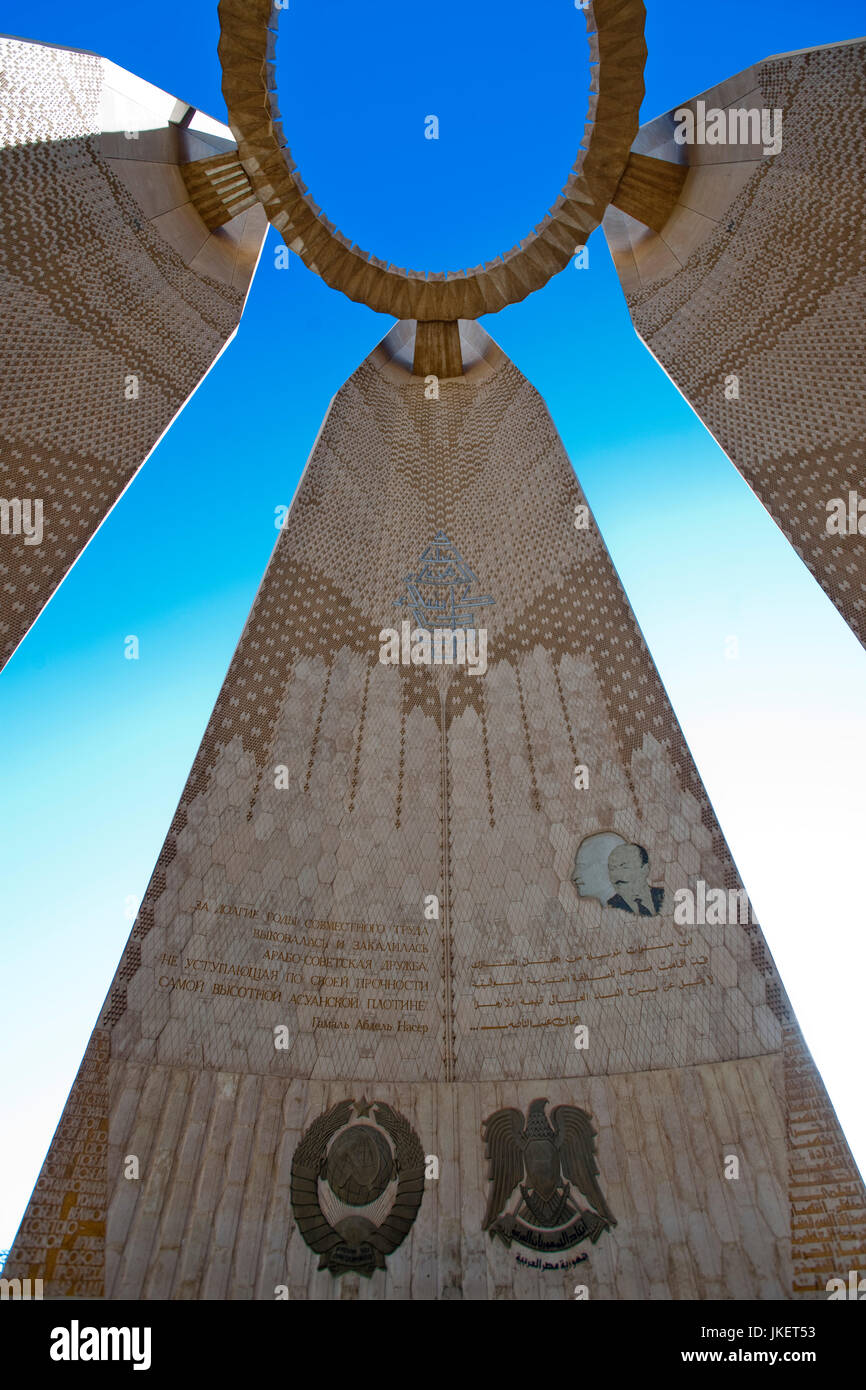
x: 445, y: 984
x: 399, y: 902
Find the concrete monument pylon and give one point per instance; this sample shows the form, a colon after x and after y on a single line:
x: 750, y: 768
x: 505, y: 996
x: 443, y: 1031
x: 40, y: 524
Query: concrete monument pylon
x: 122, y: 283
x: 445, y: 984
x: 746, y: 279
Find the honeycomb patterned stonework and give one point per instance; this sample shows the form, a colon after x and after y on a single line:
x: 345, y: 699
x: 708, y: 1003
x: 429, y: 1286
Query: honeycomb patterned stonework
x: 760, y: 273
x: 93, y: 293
x: 302, y: 905
x: 364, y: 831
x: 332, y: 795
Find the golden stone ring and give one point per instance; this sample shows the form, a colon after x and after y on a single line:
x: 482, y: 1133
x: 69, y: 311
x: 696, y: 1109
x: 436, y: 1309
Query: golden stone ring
x: 247, y: 49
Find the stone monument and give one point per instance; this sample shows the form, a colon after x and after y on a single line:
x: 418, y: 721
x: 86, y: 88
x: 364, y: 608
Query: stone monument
x: 445, y: 984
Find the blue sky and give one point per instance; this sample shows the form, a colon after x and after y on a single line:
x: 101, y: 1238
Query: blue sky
x: 96, y: 749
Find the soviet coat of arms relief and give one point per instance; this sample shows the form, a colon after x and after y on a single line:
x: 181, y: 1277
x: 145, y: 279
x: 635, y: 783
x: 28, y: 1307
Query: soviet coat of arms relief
x: 357, y: 1184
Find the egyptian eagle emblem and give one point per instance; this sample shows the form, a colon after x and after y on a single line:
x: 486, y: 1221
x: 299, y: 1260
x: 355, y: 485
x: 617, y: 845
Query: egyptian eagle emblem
x: 546, y: 1159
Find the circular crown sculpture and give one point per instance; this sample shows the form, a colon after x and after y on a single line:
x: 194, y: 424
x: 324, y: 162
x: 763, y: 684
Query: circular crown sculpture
x: 247, y: 49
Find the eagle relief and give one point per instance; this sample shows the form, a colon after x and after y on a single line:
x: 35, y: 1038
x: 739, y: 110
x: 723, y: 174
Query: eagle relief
x: 544, y: 1158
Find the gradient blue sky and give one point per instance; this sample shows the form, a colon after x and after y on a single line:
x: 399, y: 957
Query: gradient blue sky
x: 96, y: 749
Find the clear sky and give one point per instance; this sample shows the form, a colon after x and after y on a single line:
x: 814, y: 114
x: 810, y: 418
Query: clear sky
x: 96, y: 749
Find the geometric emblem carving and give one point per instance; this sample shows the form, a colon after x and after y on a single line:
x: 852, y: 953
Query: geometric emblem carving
x: 551, y: 1156
x: 357, y: 1185
x: 438, y: 593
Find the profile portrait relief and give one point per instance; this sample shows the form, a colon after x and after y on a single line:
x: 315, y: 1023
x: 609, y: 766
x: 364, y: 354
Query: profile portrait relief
x: 590, y: 873
x: 615, y: 872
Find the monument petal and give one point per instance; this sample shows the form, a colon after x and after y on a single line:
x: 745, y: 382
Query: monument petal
x: 451, y: 885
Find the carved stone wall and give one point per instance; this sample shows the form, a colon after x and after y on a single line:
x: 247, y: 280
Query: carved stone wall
x: 383, y: 885
x: 213, y: 1217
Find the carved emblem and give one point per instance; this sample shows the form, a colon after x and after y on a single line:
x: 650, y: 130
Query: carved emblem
x: 544, y: 1157
x: 439, y: 591
x: 357, y: 1184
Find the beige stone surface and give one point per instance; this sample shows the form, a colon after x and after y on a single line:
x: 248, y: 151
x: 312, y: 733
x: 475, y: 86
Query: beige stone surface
x: 140, y: 286
x: 761, y: 274
x: 158, y: 188
x: 332, y: 794
x: 211, y: 1219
